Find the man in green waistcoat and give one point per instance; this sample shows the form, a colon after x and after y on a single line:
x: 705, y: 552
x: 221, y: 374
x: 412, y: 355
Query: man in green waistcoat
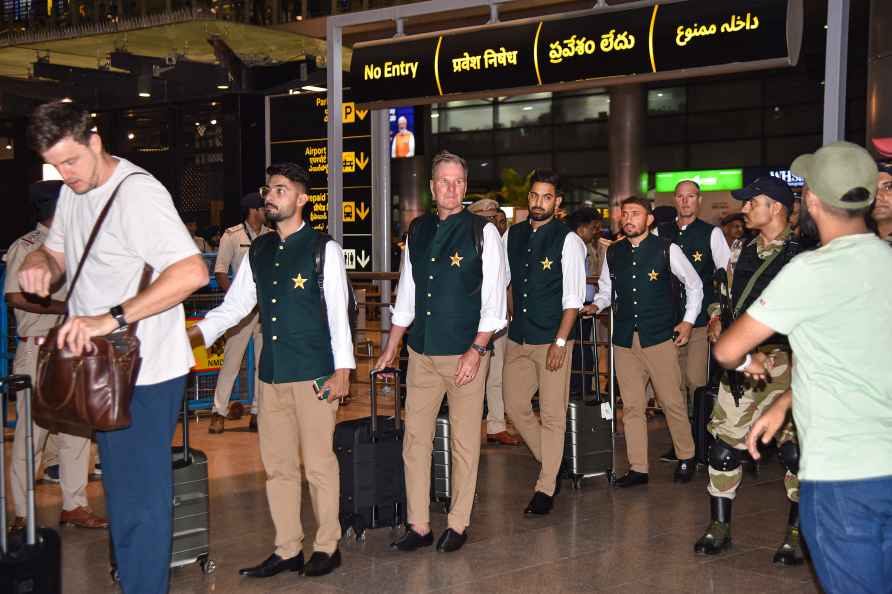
x: 547, y: 265
x: 635, y: 278
x: 452, y: 286
x: 707, y: 251
x: 306, y: 344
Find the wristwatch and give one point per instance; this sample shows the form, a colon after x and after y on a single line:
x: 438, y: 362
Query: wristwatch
x: 117, y: 312
x: 478, y: 348
x: 560, y: 342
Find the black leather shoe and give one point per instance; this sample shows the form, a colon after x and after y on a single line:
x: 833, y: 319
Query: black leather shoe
x: 669, y: 456
x: 451, y: 541
x: 273, y: 565
x: 322, y: 563
x: 685, y: 470
x: 411, y: 540
x: 252, y: 424
x: 631, y: 479
x: 717, y: 538
x: 539, y: 505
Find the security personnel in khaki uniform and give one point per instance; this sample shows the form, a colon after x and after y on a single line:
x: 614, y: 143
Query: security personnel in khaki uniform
x: 707, y: 251
x: 635, y: 278
x: 547, y: 265
x: 307, y: 343
x: 34, y: 319
x: 453, y: 289
x: 234, y: 245
x: 768, y: 202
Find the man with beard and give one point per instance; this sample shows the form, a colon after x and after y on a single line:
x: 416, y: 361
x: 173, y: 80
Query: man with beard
x: 452, y: 286
x: 546, y: 262
x: 305, y: 368
x: 707, y: 251
x: 646, y: 335
x: 733, y: 227
x: 766, y: 207
x: 881, y: 213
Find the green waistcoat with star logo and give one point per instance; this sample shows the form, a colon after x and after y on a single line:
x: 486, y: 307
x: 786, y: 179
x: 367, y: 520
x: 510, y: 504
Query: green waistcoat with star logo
x: 296, y: 339
x: 448, y: 274
x: 643, y: 290
x: 695, y: 241
x: 537, y: 289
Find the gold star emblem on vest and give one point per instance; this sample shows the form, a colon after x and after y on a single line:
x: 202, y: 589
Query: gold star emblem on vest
x: 546, y: 263
x: 697, y: 256
x: 653, y: 274
x: 299, y: 281
x: 456, y: 259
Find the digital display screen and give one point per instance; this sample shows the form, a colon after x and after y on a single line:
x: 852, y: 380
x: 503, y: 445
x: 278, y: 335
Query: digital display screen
x: 402, y: 133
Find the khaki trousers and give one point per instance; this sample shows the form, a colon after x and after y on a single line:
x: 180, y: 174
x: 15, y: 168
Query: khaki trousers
x: 233, y: 353
x: 295, y: 428
x: 74, y: 451
x: 659, y: 363
x: 525, y: 372
x: 495, y: 403
x: 693, y: 359
x: 428, y: 377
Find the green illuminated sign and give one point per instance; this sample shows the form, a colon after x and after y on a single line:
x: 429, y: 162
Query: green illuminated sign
x: 714, y: 180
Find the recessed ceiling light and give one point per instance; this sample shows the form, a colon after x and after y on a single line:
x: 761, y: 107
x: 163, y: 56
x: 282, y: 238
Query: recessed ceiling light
x: 131, y: 135
x: 66, y: 100
x: 314, y: 88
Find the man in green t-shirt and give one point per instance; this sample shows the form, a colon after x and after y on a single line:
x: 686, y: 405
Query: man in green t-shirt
x: 834, y: 304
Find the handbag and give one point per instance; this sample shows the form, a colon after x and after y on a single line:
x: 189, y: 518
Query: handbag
x: 78, y: 394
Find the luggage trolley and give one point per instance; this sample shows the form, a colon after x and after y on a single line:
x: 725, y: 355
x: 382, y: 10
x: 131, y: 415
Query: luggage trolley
x: 590, y: 437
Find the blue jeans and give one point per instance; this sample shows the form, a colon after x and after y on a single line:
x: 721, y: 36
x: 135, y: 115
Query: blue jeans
x: 848, y: 529
x: 138, y: 480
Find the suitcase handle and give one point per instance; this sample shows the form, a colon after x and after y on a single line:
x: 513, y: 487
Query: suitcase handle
x: 9, y: 384
x: 373, y: 398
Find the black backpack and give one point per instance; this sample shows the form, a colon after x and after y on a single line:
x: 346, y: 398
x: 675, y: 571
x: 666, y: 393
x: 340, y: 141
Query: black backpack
x: 322, y: 240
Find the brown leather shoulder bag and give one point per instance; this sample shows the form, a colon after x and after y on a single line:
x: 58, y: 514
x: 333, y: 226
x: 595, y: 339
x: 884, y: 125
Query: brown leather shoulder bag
x: 79, y: 394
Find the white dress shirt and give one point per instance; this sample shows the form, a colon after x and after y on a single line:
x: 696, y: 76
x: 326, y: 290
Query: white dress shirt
x: 680, y: 267
x: 242, y: 297
x: 721, y: 252
x: 573, y: 255
x: 493, y: 299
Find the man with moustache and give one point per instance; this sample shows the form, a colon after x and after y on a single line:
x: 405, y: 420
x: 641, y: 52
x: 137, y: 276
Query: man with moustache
x: 646, y: 335
x: 707, y: 251
x: 547, y: 266
x: 453, y: 289
x: 733, y: 227
x: 307, y: 341
x: 767, y: 203
x: 881, y: 213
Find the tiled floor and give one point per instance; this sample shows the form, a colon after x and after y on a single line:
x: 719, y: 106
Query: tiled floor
x: 597, y: 539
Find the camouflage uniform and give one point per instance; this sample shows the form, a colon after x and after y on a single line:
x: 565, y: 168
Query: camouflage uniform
x: 732, y: 421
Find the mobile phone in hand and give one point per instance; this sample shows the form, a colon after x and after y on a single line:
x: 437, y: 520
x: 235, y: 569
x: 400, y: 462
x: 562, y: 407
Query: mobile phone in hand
x: 318, y: 386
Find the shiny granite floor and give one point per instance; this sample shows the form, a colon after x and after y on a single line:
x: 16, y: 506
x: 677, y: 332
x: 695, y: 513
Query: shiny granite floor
x: 597, y: 539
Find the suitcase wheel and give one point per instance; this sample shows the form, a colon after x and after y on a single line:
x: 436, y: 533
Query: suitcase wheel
x: 611, y: 477
x: 207, y: 565
x: 114, y: 575
x: 577, y: 483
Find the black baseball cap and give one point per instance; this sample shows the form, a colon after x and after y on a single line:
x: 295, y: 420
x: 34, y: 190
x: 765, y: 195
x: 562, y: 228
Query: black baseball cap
x: 770, y: 186
x: 884, y: 167
x: 734, y: 216
x: 252, y: 200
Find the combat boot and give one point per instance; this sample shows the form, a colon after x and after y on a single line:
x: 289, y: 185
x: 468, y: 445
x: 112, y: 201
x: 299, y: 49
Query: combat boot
x: 790, y: 551
x: 717, y: 537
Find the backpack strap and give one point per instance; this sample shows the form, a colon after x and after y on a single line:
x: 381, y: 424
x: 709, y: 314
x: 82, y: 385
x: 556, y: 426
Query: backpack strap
x: 322, y: 240
x: 477, y: 224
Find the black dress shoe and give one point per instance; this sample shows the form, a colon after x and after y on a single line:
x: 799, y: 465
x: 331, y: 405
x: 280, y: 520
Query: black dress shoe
x: 539, y: 505
x: 252, y: 424
x: 685, y: 470
x: 411, y: 540
x: 273, y: 565
x: 451, y: 541
x: 631, y: 479
x: 322, y: 563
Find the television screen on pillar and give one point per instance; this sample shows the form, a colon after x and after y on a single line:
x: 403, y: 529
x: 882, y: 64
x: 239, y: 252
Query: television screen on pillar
x: 403, y: 134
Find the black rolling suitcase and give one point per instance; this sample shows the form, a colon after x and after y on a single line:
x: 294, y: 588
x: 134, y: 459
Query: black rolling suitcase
x: 191, y: 527
x: 588, y: 443
x: 441, y: 463
x: 30, y: 562
x: 370, y: 454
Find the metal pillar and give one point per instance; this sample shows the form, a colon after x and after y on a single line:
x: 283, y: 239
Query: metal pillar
x: 625, y: 139
x: 879, y: 71
x: 335, y: 82
x: 381, y: 208
x: 836, y: 70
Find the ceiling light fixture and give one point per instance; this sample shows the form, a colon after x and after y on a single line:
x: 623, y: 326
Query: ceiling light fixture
x: 144, y: 85
x: 314, y: 88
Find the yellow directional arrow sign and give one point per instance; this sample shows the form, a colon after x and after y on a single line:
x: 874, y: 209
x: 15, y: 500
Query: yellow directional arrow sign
x: 362, y: 211
x: 362, y: 113
x: 361, y: 161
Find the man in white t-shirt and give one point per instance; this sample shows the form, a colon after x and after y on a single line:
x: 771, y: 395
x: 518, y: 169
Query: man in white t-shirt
x: 142, y: 227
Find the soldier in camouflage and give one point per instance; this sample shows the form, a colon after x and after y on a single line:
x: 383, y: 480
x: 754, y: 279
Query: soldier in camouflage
x: 754, y: 263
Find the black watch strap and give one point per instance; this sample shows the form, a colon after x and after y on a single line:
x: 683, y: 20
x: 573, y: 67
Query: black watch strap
x: 478, y: 348
x: 117, y: 312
